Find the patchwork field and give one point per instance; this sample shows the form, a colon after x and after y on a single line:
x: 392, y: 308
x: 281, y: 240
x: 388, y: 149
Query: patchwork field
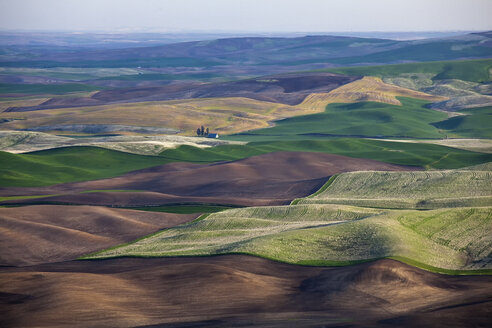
x: 273, y: 178
x: 326, y: 229
x: 223, y: 115
x: 336, y: 196
x: 362, y: 119
x: 71, y: 164
x: 466, y: 84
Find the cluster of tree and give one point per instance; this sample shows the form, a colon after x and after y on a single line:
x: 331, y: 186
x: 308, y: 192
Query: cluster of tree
x: 201, y: 131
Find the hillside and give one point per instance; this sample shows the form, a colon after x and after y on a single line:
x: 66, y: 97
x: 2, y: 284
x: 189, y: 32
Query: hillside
x: 270, y: 51
x: 449, y: 239
x: 69, y: 164
x: 46, y: 233
x: 254, y: 290
x: 327, y: 227
x: 466, y: 84
x: 422, y: 190
x: 362, y: 119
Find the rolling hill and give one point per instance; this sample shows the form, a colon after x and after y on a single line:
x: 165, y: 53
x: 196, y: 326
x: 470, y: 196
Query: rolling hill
x: 326, y: 228
x: 443, y: 239
x: 363, y: 119
x: 70, y: 164
x: 419, y: 190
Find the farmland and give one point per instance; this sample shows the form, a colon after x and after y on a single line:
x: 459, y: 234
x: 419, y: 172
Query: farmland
x: 335, y: 194
x: 330, y: 235
x: 224, y: 115
x: 65, y: 165
x: 356, y: 216
x: 422, y: 190
x: 362, y: 119
x: 467, y: 70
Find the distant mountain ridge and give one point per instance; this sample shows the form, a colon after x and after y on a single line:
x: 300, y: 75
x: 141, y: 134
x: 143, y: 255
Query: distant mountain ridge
x: 310, y: 51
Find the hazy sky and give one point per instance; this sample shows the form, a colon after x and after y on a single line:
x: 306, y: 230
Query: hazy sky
x: 246, y: 15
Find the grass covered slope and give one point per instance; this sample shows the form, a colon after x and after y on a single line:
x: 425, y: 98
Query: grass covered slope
x: 443, y: 240
x: 466, y: 70
x: 68, y: 164
x: 425, y: 155
x: 89, y: 163
x: 476, y: 122
x: 421, y: 190
x: 331, y: 228
x: 364, y: 119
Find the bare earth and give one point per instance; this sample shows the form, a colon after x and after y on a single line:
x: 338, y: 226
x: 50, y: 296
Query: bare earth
x: 48, y: 233
x: 232, y: 291
x: 269, y: 179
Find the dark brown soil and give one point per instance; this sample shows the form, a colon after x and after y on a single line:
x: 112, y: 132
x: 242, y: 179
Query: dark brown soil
x: 46, y: 233
x: 238, y: 291
x: 274, y: 178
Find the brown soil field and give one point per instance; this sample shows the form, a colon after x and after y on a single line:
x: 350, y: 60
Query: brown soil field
x: 273, y: 178
x: 46, y: 233
x: 238, y: 291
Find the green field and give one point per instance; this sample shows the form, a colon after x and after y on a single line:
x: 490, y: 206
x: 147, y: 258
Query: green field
x: 468, y: 70
x: 424, y: 155
x: 61, y: 165
x: 445, y: 239
x: 476, y: 123
x: 46, y: 88
x: 447, y: 67
x: 364, y: 119
x: 88, y: 163
x: 356, y: 216
x: 407, y: 190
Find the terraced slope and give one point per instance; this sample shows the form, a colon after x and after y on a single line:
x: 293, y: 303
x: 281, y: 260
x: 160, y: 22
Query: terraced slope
x: 423, y: 190
x: 443, y: 239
